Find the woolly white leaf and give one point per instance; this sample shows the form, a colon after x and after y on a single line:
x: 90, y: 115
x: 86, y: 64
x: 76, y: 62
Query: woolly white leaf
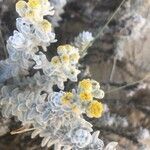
x: 111, y: 146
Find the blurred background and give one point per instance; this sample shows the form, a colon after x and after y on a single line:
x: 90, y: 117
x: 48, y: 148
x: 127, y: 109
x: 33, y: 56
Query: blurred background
x: 119, y: 59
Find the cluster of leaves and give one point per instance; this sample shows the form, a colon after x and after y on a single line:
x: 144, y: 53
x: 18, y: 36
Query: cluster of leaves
x: 57, y: 116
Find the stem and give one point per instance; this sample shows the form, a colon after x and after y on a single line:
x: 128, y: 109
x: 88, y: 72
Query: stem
x: 101, y: 30
x: 122, y: 87
x: 113, y: 69
x: 21, y: 131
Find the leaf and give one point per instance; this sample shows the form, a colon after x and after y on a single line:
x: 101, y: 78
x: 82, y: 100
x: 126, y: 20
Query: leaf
x: 111, y: 146
x: 35, y: 133
x: 45, y: 141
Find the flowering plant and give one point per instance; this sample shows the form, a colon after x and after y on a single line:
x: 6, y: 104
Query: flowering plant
x: 57, y: 116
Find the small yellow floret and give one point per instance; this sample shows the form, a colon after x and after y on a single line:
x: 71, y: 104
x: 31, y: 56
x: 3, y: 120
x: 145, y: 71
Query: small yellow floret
x: 95, y: 109
x: 55, y: 60
x: 65, y: 48
x: 75, y: 109
x: 67, y: 98
x: 30, y: 14
x: 34, y: 3
x: 86, y: 96
x: 74, y: 57
x: 65, y: 58
x: 61, y: 49
x: 69, y: 47
x: 21, y: 4
x: 46, y: 25
x: 86, y: 85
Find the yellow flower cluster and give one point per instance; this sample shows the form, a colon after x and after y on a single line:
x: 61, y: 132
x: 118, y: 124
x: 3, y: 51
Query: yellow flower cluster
x: 55, y: 61
x: 30, y: 14
x: 83, y: 102
x: 34, y: 4
x: 85, y: 89
x: 95, y: 109
x: 68, y: 54
x: 85, y: 96
x: 65, y: 58
x: 64, y: 48
x: 32, y: 10
x: 85, y: 85
x: 74, y: 57
x: 28, y: 9
x: 46, y: 25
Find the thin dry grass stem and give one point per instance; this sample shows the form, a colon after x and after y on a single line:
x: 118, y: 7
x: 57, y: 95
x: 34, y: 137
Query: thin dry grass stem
x: 101, y: 30
x: 127, y: 85
x: 113, y: 69
x: 100, y: 33
x: 21, y: 130
x: 112, y: 72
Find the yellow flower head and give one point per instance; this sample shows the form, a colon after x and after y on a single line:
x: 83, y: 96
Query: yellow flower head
x: 86, y: 85
x: 86, y: 96
x: 21, y: 5
x: 95, y: 109
x: 34, y: 4
x: 55, y: 61
x: 69, y: 47
x: 61, y: 49
x: 30, y: 14
x: 67, y: 98
x: 65, y: 58
x: 65, y: 49
x: 46, y: 25
x: 74, y: 57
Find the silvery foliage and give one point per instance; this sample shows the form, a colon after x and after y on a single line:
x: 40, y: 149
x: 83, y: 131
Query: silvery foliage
x: 82, y: 41
x: 56, y: 124
x: 32, y: 99
x: 22, y: 47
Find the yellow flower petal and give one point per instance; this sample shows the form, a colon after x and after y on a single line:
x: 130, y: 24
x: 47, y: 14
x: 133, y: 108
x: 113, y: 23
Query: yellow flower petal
x: 74, y: 57
x: 69, y: 47
x: 86, y: 96
x: 86, y: 85
x: 55, y: 60
x: 30, y: 14
x: 65, y: 58
x: 95, y: 109
x: 46, y: 25
x: 65, y: 49
x: 34, y: 4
